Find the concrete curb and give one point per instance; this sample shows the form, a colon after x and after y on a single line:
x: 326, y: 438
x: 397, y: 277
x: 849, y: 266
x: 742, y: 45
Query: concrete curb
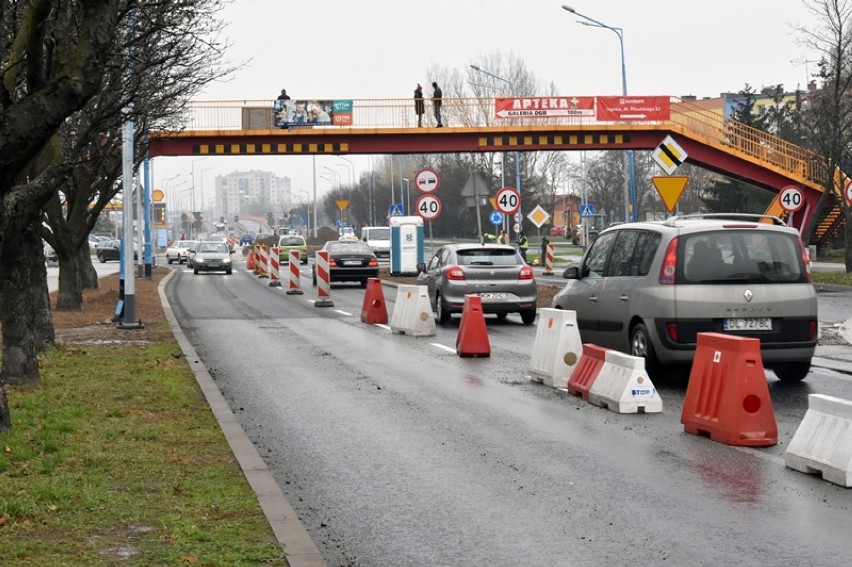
x: 289, y: 531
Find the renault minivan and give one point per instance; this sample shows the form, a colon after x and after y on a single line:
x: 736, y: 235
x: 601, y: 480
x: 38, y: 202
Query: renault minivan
x: 649, y: 288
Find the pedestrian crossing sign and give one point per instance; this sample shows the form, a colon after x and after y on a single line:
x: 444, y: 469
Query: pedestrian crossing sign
x: 587, y: 210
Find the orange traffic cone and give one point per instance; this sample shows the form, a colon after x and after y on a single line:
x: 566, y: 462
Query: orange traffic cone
x: 727, y: 397
x: 250, y: 261
x: 374, y: 309
x: 472, y: 339
x: 587, y: 370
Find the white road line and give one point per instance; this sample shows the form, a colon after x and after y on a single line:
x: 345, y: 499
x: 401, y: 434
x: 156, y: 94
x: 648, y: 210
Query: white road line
x: 383, y: 326
x: 445, y: 347
x: 343, y: 312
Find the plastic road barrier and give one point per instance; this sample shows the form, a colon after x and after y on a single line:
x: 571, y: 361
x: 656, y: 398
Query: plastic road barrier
x: 274, y: 273
x: 295, y: 281
x: 623, y: 385
x: 323, y: 282
x: 557, y: 347
x: 823, y: 441
x: 472, y: 338
x: 412, y: 312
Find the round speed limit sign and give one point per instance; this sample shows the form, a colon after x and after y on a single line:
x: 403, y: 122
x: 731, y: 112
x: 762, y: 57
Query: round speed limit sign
x: 428, y: 206
x: 847, y: 192
x: 508, y: 200
x: 791, y: 199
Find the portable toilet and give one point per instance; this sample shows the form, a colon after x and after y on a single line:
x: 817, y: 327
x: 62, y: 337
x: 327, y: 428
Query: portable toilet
x: 406, y: 244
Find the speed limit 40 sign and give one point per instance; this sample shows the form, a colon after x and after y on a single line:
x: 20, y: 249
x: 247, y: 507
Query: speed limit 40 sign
x: 791, y: 199
x: 428, y: 206
x: 508, y: 200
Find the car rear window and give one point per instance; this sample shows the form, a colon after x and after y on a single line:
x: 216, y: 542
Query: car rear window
x: 291, y: 241
x: 488, y: 257
x: 752, y: 256
x: 353, y: 247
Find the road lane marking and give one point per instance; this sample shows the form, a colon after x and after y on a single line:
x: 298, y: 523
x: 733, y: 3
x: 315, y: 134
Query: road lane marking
x: 343, y: 312
x: 445, y: 347
x: 383, y: 326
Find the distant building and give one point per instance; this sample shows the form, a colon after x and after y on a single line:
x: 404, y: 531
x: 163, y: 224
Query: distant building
x: 251, y: 193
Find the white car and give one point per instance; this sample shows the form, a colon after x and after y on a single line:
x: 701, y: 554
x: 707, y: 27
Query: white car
x: 179, y: 251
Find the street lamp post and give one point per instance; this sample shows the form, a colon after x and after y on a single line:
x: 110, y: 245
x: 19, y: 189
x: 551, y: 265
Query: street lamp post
x: 201, y: 195
x: 630, y: 182
x: 517, y: 160
x: 333, y: 181
x: 407, y: 195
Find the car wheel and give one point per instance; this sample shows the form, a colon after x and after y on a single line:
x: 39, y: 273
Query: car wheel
x: 792, y: 371
x: 444, y: 315
x: 528, y: 317
x: 363, y: 283
x: 102, y: 259
x: 502, y: 316
x: 195, y: 271
x: 640, y: 345
x: 228, y: 271
x: 169, y: 260
x: 314, y: 277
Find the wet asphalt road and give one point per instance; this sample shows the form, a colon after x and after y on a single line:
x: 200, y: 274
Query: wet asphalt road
x: 395, y: 451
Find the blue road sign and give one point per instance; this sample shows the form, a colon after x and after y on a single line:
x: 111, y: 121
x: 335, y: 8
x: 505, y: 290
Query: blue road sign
x: 396, y: 210
x: 587, y: 210
x: 495, y: 218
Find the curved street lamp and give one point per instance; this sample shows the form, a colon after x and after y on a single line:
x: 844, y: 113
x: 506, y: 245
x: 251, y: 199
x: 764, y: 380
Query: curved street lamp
x: 630, y: 183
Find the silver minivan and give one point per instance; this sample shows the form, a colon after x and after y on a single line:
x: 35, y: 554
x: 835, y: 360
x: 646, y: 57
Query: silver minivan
x: 649, y: 288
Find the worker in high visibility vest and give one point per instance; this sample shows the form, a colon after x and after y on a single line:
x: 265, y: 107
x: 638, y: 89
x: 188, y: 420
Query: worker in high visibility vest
x: 523, y: 245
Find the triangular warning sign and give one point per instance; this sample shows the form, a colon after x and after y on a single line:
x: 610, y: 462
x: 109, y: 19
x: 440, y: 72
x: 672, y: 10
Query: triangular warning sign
x: 670, y: 189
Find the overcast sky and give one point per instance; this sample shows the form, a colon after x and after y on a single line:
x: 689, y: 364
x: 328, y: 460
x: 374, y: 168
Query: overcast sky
x: 335, y: 49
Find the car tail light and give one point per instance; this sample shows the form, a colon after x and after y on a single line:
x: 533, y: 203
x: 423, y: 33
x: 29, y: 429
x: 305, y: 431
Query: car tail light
x: 806, y: 260
x: 669, y: 268
x: 455, y: 273
x: 671, y: 329
x: 373, y: 263
x: 812, y: 330
x: 526, y: 273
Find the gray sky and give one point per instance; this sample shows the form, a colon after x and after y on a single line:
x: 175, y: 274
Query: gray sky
x: 382, y: 48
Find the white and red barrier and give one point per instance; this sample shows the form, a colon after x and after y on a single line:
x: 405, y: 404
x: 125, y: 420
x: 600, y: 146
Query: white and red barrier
x: 323, y: 280
x: 548, y: 261
x: 263, y: 263
x: 274, y: 273
x: 557, y: 347
x: 823, y: 441
x: 623, y: 385
x: 295, y: 280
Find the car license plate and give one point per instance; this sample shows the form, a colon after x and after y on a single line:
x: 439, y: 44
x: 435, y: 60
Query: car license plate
x: 352, y: 263
x: 747, y: 324
x: 493, y: 296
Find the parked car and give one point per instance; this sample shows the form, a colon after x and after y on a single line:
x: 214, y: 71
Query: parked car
x: 557, y: 231
x: 494, y: 272
x: 292, y: 242
x: 210, y: 256
x: 109, y: 250
x: 179, y: 251
x: 648, y: 289
x: 349, y: 261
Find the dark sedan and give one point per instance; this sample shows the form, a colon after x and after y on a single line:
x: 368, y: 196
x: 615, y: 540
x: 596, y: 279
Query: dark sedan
x: 109, y: 250
x: 349, y: 261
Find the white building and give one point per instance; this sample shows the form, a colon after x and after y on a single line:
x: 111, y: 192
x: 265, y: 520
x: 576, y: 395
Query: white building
x: 251, y: 193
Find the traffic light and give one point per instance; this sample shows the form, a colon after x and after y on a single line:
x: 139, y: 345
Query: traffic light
x: 160, y: 213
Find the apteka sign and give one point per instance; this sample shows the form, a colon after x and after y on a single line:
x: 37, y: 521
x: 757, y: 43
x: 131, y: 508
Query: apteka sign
x: 545, y: 107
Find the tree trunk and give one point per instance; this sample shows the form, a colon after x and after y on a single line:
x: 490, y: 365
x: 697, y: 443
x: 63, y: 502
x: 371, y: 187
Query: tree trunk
x: 847, y: 233
x: 70, y: 295
x: 88, y: 274
x: 43, y: 332
x: 5, y: 418
x: 19, y: 365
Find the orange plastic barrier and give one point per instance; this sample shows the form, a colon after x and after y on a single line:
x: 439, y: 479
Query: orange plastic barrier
x: 472, y: 339
x: 727, y: 397
x: 250, y: 261
x: 374, y: 310
x: 587, y: 370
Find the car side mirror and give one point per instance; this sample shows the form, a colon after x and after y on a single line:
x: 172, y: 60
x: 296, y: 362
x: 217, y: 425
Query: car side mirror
x: 571, y: 273
x: 421, y: 267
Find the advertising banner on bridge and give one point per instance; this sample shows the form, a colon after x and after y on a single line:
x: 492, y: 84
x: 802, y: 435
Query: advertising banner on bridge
x: 545, y: 107
x: 309, y: 113
x: 639, y: 108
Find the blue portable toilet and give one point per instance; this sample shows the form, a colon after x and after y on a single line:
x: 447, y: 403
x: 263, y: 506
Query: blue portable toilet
x: 406, y: 244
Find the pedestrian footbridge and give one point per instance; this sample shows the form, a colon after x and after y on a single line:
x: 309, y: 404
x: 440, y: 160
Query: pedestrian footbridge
x: 388, y: 126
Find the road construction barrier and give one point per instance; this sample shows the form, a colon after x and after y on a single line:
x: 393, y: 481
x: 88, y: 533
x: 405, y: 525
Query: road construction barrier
x: 412, y: 313
x: 823, y: 441
x: 374, y: 311
x: 557, y: 347
x: 250, y: 263
x: 548, y: 261
x: 587, y: 370
x: 295, y: 279
x: 263, y: 265
x: 323, y: 280
x: 727, y: 397
x: 274, y: 273
x: 472, y: 338
x: 623, y: 385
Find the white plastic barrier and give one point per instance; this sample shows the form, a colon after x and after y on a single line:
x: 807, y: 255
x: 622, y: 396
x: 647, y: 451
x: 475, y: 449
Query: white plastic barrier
x: 624, y: 386
x: 823, y: 441
x: 412, y: 313
x: 557, y: 347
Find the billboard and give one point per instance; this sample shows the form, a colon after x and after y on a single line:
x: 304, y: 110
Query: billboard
x: 309, y: 113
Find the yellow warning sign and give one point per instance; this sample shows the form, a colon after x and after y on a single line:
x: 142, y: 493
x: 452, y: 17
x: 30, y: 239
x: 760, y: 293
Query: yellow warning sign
x: 669, y: 155
x: 670, y: 189
x: 493, y: 202
x: 342, y: 204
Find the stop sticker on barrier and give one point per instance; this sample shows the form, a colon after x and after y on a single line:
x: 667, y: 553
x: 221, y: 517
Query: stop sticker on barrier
x: 791, y: 199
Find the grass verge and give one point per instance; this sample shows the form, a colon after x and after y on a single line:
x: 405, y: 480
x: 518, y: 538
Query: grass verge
x: 836, y: 278
x: 116, y: 458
